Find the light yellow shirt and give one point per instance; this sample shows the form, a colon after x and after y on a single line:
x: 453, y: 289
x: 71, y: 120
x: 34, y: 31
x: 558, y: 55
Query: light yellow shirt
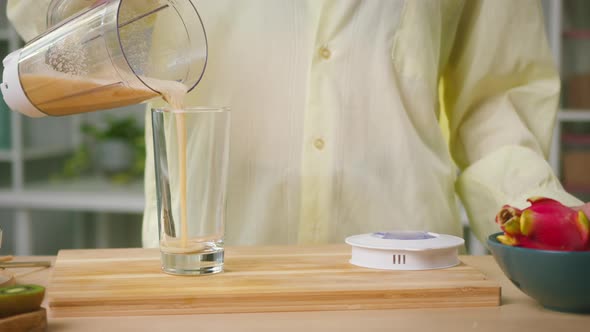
x: 336, y: 108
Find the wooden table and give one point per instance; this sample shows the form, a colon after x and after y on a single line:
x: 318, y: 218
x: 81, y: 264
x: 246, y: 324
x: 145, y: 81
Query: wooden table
x: 517, y: 313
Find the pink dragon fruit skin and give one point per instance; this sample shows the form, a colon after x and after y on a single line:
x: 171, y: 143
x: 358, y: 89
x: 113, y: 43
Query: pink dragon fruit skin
x: 546, y: 224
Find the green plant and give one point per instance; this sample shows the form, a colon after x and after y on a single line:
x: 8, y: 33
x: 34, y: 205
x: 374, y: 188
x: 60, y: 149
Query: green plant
x: 125, y: 129
x: 113, y: 128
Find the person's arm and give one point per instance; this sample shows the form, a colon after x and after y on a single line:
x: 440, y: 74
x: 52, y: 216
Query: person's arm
x: 501, y: 92
x: 28, y: 16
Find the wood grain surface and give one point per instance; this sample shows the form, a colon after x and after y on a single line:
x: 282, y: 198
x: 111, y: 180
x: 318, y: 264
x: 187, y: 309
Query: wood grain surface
x: 117, y: 282
x: 35, y: 321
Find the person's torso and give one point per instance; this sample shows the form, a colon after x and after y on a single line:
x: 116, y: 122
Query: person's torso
x: 334, y: 116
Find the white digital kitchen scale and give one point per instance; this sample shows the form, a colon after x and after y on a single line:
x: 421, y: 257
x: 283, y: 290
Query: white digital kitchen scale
x: 405, y: 250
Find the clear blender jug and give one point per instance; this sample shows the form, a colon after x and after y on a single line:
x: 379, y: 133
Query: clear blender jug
x: 109, y: 53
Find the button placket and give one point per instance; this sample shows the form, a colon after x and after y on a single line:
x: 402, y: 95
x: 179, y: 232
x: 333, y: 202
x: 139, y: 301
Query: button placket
x: 316, y: 186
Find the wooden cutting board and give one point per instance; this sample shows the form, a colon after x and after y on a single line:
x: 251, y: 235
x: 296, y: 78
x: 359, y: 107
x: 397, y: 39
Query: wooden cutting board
x: 35, y: 321
x: 6, y: 278
x: 115, y: 282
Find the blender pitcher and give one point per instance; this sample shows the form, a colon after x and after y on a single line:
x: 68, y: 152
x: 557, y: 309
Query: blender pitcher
x: 102, y: 54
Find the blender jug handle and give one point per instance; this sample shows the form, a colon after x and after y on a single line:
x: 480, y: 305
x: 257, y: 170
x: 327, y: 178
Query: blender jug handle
x: 12, y: 90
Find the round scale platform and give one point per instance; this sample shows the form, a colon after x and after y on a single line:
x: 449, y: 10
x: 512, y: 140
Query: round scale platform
x: 405, y: 250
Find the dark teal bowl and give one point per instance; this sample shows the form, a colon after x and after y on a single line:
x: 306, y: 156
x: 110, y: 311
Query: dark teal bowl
x: 558, y: 280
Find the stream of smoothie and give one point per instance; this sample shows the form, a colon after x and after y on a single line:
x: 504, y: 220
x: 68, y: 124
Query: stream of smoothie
x: 174, y: 93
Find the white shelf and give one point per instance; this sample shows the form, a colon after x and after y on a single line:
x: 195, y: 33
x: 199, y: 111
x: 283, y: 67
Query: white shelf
x: 5, y: 155
x: 36, y: 153
x: 569, y: 115
x: 5, y: 34
x: 41, y: 152
x: 88, y: 194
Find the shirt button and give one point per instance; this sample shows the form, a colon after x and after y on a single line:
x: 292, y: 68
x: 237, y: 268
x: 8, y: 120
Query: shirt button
x: 325, y: 53
x: 319, y: 143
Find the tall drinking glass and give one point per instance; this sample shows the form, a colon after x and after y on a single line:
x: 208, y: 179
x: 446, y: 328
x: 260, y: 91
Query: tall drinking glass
x: 191, y: 150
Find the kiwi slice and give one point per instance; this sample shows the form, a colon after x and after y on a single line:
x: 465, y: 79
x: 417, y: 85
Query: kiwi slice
x: 19, y: 299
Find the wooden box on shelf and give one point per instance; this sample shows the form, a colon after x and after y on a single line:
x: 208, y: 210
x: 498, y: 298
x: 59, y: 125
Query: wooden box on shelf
x: 577, y: 92
x: 576, y: 158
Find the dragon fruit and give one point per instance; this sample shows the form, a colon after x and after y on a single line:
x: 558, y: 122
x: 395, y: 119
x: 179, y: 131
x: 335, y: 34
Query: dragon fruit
x: 546, y: 224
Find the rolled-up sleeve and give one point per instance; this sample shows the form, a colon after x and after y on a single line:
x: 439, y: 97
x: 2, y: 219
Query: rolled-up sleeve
x: 28, y: 16
x: 501, y: 91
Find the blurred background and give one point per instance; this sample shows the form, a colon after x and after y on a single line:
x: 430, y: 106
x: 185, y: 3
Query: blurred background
x: 70, y: 182
x: 77, y: 181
